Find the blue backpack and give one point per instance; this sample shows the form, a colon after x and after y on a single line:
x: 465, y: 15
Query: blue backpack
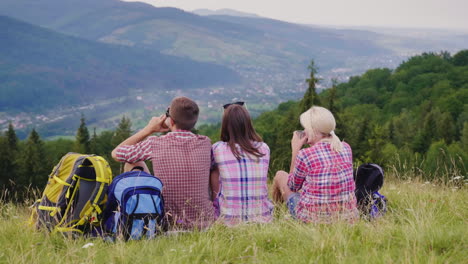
x: 135, y: 206
x: 369, y: 178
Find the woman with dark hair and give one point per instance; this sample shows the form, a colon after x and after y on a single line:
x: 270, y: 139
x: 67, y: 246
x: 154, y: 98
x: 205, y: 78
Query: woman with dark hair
x: 240, y: 168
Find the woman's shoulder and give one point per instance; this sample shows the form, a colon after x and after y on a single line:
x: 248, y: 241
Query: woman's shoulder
x: 346, y: 146
x: 219, y: 144
x: 262, y: 147
x: 261, y: 144
x: 314, y: 150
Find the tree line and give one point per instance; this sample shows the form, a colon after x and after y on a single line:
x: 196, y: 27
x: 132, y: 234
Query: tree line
x: 25, y: 165
x: 413, y: 120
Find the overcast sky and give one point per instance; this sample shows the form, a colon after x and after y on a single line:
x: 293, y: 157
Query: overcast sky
x: 393, y: 13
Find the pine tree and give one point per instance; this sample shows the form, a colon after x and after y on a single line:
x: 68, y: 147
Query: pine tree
x: 426, y: 135
x: 376, y: 142
x: 332, y: 106
x: 361, y: 143
x: 124, y: 131
x: 82, y: 144
x: 310, y: 97
x: 4, y: 161
x: 8, y: 156
x: 34, y: 168
x: 93, y: 147
x: 332, y: 96
x: 464, y: 137
x: 281, y: 153
x: 12, y: 138
x: 391, y: 131
x: 446, y: 129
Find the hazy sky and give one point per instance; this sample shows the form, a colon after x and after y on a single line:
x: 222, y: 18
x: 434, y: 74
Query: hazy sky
x: 399, y: 13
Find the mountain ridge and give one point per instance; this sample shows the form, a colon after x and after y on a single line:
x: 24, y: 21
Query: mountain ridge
x: 223, y: 11
x: 38, y: 64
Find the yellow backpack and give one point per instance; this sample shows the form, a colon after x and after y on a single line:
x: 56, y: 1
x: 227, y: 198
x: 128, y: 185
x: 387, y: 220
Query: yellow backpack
x: 75, y: 194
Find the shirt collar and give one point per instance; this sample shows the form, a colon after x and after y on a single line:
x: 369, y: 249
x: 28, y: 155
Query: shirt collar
x: 181, y: 132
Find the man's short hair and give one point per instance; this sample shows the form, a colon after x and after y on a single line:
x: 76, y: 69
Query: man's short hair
x: 184, y: 112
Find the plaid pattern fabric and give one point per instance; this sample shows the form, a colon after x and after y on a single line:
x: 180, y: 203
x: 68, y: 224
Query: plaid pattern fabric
x: 325, y: 180
x: 182, y: 161
x: 243, y: 195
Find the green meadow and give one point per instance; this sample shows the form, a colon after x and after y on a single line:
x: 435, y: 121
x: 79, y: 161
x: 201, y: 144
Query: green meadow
x: 426, y: 223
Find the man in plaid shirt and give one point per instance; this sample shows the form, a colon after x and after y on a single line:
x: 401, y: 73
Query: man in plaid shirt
x: 180, y: 159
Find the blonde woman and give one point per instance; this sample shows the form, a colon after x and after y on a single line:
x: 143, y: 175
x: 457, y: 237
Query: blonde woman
x: 319, y: 187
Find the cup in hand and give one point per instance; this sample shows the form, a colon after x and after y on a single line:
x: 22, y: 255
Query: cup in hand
x: 300, y: 133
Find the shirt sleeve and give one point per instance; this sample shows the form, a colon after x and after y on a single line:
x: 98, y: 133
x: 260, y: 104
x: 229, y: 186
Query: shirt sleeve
x: 296, y: 179
x: 137, y: 152
x: 213, y: 161
x: 267, y: 150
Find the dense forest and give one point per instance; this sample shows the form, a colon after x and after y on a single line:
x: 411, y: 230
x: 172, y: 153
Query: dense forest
x: 413, y: 119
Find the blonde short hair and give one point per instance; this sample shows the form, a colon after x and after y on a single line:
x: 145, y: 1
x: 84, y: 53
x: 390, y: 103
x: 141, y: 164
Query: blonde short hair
x: 320, y: 119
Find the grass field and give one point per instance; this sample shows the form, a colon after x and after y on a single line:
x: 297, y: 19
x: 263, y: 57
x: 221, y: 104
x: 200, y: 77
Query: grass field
x: 426, y: 223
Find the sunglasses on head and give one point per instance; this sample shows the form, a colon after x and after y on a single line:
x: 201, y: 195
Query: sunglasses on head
x: 237, y: 103
x: 167, y: 112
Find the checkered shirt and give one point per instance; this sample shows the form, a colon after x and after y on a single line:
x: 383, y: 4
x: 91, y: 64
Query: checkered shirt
x: 182, y: 161
x: 324, y: 179
x: 243, y: 195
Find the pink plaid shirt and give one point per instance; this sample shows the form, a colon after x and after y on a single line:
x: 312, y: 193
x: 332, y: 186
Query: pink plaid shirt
x: 243, y: 195
x: 325, y: 180
x: 182, y: 161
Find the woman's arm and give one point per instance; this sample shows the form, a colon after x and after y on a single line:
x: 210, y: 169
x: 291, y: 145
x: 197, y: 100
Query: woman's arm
x: 296, y: 145
x: 296, y: 173
x: 214, y: 183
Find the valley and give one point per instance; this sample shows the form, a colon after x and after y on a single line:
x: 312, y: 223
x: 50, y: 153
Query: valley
x: 97, y: 57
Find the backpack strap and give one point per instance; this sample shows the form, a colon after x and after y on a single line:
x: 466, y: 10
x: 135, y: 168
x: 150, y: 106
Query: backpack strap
x: 137, y: 168
x: 103, y: 171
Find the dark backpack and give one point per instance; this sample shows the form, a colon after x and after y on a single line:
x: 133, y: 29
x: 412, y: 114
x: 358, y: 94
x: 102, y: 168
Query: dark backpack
x: 369, y: 178
x: 135, y: 206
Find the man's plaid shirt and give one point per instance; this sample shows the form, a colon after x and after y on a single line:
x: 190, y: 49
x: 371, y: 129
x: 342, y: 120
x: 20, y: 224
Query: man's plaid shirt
x: 182, y: 161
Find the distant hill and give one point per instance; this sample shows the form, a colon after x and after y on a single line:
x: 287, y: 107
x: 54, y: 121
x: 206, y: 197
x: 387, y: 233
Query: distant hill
x: 253, y: 46
x: 268, y: 56
x: 271, y: 55
x: 224, y: 11
x: 44, y: 69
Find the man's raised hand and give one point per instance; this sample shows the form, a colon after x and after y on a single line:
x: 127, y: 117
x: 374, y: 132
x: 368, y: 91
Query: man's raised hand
x: 156, y: 124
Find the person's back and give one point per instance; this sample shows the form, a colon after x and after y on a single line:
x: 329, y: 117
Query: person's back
x: 242, y: 164
x: 180, y: 159
x: 326, y: 181
x: 320, y: 186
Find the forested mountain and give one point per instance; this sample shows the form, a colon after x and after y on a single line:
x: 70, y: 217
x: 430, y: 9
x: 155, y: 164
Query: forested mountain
x: 139, y: 24
x: 267, y: 52
x: 413, y: 118
x: 40, y: 68
x: 268, y: 56
x: 234, y: 40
